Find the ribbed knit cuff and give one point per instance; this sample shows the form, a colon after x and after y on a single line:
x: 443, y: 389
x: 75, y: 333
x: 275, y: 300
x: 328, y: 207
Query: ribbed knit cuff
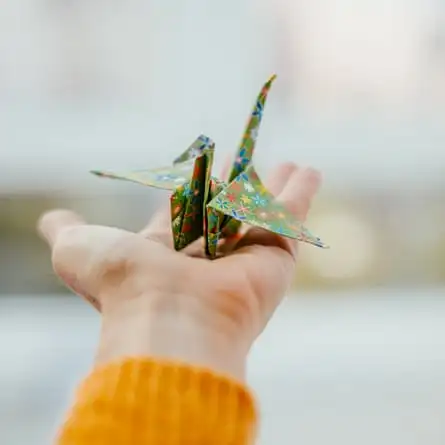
x: 148, y: 402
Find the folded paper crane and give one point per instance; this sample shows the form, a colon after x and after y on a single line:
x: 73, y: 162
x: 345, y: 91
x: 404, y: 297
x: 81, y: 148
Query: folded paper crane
x: 202, y: 205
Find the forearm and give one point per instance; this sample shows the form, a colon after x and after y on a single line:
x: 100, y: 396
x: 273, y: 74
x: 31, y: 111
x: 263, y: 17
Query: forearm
x: 160, y: 377
x: 143, y: 328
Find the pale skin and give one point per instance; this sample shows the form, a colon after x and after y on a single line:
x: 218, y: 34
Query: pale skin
x: 157, y: 302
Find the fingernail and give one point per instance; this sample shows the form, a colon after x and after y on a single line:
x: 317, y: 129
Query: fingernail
x: 42, y: 226
x: 312, y: 173
x: 50, y: 223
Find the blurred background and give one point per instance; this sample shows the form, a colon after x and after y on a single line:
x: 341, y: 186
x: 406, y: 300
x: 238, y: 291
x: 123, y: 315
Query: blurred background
x: 356, y: 354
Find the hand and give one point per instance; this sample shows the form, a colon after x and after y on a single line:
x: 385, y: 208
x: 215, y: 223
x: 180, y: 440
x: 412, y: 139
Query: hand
x: 159, y: 302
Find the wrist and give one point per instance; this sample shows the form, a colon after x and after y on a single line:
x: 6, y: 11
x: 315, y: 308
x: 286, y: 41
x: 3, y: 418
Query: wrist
x: 171, y: 328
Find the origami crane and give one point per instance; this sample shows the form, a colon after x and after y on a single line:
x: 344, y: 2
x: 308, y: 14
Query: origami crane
x: 202, y: 205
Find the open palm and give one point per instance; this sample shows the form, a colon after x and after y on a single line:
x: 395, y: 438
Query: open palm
x: 112, y: 268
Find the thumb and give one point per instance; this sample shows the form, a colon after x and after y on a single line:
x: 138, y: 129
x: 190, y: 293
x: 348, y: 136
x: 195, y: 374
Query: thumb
x: 50, y: 226
x: 54, y: 222
x: 82, y: 255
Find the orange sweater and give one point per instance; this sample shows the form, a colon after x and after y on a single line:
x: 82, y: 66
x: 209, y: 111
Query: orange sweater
x: 142, y: 401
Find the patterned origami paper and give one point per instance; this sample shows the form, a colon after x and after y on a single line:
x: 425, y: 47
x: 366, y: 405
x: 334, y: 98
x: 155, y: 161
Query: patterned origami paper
x: 205, y: 206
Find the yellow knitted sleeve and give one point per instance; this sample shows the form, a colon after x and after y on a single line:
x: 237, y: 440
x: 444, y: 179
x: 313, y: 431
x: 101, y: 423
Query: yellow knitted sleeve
x: 142, y: 401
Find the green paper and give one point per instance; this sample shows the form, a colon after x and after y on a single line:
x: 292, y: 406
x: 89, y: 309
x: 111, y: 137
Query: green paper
x: 247, y: 200
x: 205, y: 206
